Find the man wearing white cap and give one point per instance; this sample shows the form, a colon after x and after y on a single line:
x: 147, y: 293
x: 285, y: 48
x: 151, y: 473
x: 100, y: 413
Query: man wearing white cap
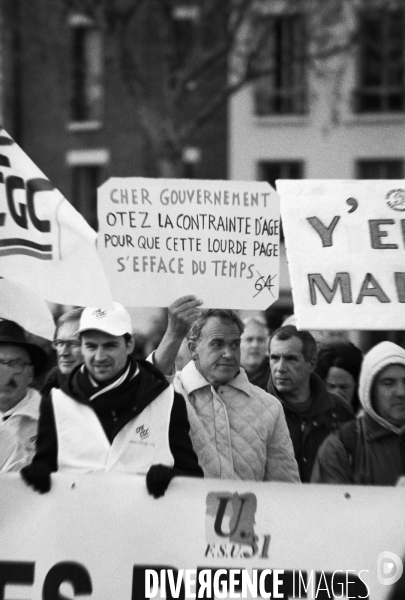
x: 113, y: 413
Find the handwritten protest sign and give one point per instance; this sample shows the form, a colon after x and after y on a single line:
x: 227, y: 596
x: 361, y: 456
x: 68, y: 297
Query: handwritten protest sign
x: 160, y: 239
x: 45, y: 243
x: 346, y: 248
x: 103, y: 537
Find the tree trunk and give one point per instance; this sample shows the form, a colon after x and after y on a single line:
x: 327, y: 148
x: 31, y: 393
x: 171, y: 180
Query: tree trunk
x: 170, y: 167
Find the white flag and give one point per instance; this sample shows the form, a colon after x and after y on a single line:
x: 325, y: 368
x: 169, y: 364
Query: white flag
x: 45, y: 243
x: 22, y: 305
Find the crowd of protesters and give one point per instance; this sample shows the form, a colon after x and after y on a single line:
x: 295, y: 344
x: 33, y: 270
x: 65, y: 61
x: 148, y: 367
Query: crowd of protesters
x: 218, y: 397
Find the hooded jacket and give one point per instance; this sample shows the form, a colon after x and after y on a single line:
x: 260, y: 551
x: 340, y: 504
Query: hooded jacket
x: 115, y: 407
x: 371, y: 450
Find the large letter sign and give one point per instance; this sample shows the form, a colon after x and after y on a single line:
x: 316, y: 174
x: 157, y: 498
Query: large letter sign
x: 345, y: 245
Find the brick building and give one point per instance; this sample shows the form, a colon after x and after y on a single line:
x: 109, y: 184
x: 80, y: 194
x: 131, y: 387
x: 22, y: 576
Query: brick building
x: 66, y: 104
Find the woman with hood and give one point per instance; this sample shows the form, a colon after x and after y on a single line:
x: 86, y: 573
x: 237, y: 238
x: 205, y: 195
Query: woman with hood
x: 371, y: 449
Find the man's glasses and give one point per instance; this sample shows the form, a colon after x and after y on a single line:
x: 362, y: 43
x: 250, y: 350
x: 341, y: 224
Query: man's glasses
x: 70, y: 343
x: 17, y: 364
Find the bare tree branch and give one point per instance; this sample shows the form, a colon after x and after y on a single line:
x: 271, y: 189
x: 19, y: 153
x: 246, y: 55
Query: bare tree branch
x: 176, y: 89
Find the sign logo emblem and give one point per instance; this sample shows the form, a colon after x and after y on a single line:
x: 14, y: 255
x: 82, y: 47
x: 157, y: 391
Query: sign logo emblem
x: 396, y: 200
x: 230, y: 526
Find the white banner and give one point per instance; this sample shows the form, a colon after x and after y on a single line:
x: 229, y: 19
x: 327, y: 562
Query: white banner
x: 45, y: 243
x: 160, y: 239
x: 345, y: 245
x: 104, y: 537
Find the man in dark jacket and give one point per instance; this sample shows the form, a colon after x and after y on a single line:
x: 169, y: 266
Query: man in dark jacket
x: 371, y: 450
x: 311, y: 411
x: 113, y: 414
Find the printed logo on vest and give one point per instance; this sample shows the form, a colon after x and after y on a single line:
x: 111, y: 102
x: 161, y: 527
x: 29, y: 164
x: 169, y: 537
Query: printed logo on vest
x: 229, y: 527
x: 142, y: 432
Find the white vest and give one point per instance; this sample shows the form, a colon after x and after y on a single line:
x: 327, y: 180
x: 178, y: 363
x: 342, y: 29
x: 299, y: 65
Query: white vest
x: 84, y: 447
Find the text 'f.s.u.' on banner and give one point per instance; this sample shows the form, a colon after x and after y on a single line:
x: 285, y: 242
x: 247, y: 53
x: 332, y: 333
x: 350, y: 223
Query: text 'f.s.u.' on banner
x: 345, y: 245
x: 162, y: 238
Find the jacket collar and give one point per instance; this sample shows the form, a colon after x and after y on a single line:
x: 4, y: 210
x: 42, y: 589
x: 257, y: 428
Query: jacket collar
x: 150, y: 379
x: 321, y: 399
x: 27, y: 407
x: 193, y: 380
x: 376, y: 429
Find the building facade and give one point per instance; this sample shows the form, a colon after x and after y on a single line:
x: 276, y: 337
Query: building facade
x: 67, y: 104
x: 336, y: 118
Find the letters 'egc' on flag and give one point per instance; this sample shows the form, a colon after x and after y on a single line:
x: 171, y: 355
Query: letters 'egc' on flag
x: 45, y: 243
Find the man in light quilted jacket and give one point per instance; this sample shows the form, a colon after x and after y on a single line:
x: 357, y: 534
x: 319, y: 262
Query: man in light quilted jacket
x: 238, y: 430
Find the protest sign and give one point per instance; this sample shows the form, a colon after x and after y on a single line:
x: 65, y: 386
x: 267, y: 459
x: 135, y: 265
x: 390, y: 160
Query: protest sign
x: 104, y: 537
x: 345, y: 245
x: 160, y: 239
x: 45, y: 243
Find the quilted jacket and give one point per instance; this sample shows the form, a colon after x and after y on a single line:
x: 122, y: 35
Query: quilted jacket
x: 238, y: 431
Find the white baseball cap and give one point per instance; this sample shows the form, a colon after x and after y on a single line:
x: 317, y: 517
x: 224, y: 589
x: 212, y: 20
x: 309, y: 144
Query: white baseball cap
x: 114, y: 321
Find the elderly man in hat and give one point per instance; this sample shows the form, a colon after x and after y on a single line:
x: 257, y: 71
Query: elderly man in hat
x: 113, y: 414
x: 20, y: 362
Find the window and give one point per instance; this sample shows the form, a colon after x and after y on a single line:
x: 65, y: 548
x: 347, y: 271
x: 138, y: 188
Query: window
x: 283, y: 90
x: 380, y: 169
x: 87, y: 167
x: 85, y: 181
x: 270, y: 171
x: 185, y: 17
x: 381, y: 61
x: 86, y: 71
